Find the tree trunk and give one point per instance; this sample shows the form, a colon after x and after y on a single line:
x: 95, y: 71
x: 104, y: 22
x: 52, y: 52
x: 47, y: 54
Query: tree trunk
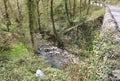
x: 20, y: 17
x: 8, y: 22
x: 85, y: 4
x: 19, y: 11
x: 56, y: 37
x: 67, y: 13
x: 32, y: 16
x: 70, y: 8
x: 74, y: 7
x: 53, y: 22
x: 38, y: 13
x: 80, y: 7
x: 88, y: 7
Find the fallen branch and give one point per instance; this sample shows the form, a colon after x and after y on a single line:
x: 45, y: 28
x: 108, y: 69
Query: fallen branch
x: 71, y: 28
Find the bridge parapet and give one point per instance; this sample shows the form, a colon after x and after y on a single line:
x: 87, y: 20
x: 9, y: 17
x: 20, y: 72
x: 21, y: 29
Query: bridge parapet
x: 110, y: 35
x: 108, y: 21
x: 115, y: 11
x: 111, y: 18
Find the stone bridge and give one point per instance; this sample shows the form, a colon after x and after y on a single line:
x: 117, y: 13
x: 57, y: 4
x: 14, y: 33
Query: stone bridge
x: 110, y: 34
x: 111, y: 18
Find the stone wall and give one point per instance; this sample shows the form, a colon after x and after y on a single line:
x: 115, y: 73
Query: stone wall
x: 109, y: 21
x: 111, y: 42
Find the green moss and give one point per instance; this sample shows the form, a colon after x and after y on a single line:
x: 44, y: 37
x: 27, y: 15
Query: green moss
x: 18, y: 50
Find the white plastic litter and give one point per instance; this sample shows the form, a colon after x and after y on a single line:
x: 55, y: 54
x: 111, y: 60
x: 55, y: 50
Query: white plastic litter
x: 40, y: 74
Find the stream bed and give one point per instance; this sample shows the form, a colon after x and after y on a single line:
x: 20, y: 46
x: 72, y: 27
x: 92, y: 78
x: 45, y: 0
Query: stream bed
x: 56, y: 57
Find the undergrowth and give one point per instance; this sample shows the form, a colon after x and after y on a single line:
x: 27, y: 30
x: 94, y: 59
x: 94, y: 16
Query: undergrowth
x: 18, y: 64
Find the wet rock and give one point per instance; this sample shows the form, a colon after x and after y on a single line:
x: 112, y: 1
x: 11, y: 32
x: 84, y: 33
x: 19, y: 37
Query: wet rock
x: 56, y: 57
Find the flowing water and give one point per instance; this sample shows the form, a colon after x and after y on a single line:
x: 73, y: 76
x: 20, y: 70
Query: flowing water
x: 56, y: 57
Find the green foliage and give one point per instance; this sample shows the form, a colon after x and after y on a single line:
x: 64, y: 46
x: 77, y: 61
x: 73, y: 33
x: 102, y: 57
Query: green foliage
x: 83, y: 45
x: 4, y: 45
x: 19, y: 50
x: 13, y: 26
x: 5, y: 41
x: 19, y: 64
x: 94, y: 68
x: 24, y: 69
x: 55, y: 75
